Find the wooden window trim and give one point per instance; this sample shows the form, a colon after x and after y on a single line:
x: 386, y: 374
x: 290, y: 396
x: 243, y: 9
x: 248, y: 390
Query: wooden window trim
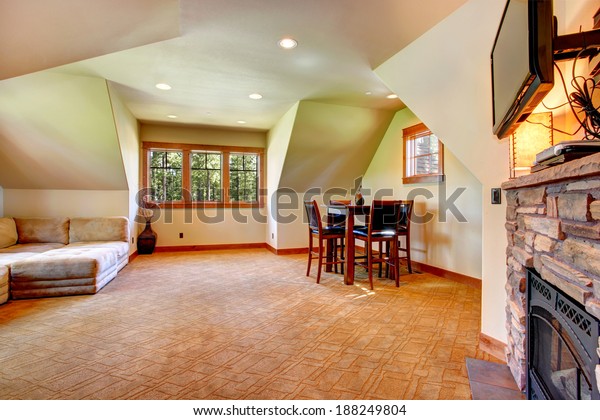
x: 187, y: 202
x: 410, y: 133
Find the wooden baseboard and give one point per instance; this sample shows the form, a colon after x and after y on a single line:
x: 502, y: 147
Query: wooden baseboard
x: 492, y: 346
x: 224, y: 247
x: 133, y: 256
x: 450, y: 275
x: 215, y: 247
x: 286, y: 251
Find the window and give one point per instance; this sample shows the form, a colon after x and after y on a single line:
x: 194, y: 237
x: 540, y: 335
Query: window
x: 184, y: 175
x: 165, y: 175
x: 206, y: 176
x: 243, y: 177
x: 423, y: 156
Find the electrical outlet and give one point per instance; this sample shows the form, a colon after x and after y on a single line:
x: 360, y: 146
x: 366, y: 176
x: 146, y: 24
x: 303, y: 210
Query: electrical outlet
x: 272, y: 236
x: 132, y: 239
x: 180, y: 235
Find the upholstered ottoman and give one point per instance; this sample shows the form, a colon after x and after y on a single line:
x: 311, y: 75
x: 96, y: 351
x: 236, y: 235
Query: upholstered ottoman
x: 3, y: 284
x: 64, y: 271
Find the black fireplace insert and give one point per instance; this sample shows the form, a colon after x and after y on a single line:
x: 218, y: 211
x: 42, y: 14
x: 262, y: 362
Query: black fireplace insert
x: 562, y: 343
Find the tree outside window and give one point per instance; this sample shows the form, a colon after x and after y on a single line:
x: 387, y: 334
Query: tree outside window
x: 184, y: 175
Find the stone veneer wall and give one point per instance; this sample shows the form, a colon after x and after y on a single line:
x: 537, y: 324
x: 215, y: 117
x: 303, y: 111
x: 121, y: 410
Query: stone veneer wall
x: 552, y: 225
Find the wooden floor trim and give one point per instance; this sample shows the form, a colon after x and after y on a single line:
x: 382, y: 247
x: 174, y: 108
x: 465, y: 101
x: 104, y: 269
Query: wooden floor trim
x: 220, y: 247
x: 492, y: 346
x: 133, y: 256
x: 287, y: 251
x: 215, y: 247
x: 446, y: 274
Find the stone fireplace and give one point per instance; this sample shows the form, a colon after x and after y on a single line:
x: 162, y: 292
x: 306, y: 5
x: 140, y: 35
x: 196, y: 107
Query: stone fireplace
x: 553, y: 227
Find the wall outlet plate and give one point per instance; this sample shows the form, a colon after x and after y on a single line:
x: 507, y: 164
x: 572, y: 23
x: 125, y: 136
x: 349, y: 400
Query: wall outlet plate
x: 496, y: 196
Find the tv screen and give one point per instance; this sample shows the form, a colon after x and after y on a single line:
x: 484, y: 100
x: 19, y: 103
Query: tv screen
x: 522, y: 62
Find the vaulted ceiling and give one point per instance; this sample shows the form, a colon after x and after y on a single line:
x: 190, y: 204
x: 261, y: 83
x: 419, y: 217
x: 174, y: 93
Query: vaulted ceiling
x: 214, y: 53
x: 56, y: 127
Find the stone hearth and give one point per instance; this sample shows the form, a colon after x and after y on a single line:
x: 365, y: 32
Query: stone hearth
x: 553, y: 226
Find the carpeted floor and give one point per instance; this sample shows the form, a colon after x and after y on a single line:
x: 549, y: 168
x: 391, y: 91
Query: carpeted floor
x: 242, y: 325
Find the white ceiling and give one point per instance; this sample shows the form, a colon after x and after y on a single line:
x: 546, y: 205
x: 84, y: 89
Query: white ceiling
x: 228, y: 50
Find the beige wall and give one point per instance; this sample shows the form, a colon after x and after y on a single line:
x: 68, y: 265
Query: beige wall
x: 66, y: 203
x: 278, y: 140
x: 128, y: 135
x: 207, y: 226
x: 57, y: 131
x: 1, y: 202
x: 165, y: 133
x: 444, y: 78
x: 449, y: 90
x: 444, y: 241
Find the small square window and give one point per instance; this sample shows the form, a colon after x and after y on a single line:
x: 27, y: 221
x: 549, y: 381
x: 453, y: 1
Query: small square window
x: 423, y: 156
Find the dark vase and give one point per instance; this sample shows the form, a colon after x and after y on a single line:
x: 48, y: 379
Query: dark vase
x: 146, y: 241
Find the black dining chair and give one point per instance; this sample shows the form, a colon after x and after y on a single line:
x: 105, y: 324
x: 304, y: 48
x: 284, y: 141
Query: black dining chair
x: 382, y: 227
x: 406, y: 211
x: 321, y: 233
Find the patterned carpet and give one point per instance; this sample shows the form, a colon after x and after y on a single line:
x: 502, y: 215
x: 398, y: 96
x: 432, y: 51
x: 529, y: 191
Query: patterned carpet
x: 242, y: 325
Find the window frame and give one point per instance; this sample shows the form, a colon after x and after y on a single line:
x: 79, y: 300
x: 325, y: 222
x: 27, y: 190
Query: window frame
x: 410, y: 134
x: 187, y: 150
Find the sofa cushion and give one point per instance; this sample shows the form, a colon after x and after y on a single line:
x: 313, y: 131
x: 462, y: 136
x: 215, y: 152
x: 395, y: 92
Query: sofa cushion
x: 39, y: 230
x: 93, y: 229
x: 36, y: 248
x: 8, y: 232
x: 8, y: 259
x: 64, y: 263
x: 121, y: 248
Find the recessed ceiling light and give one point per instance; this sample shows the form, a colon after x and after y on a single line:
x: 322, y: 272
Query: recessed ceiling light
x: 392, y: 96
x: 368, y: 93
x: 241, y: 122
x: 172, y: 116
x: 288, y: 43
x: 163, y: 86
x: 255, y: 96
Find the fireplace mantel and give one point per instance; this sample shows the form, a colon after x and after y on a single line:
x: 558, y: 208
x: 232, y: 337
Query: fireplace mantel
x: 588, y: 166
x: 553, y: 226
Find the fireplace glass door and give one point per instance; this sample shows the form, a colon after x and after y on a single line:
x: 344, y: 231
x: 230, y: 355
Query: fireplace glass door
x: 553, y: 363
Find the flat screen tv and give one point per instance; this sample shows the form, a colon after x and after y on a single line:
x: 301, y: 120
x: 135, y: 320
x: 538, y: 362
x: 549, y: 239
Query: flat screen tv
x: 522, y: 62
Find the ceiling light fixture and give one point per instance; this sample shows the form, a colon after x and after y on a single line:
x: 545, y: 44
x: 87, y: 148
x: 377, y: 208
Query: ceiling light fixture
x: 255, y: 96
x: 288, y: 43
x: 172, y: 116
x: 163, y: 86
x: 368, y: 93
x: 392, y: 96
x: 241, y: 122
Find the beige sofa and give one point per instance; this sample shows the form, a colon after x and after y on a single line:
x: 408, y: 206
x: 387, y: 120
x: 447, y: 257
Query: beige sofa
x: 41, y: 257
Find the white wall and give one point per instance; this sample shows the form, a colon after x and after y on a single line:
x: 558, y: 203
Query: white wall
x: 128, y: 135
x: 66, y: 203
x: 445, y: 241
x: 207, y: 226
x: 171, y: 133
x: 278, y: 140
x: 57, y: 132
x: 444, y: 78
x: 210, y: 227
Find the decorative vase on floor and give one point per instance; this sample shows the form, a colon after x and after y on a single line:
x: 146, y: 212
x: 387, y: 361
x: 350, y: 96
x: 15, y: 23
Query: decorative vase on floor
x: 146, y: 241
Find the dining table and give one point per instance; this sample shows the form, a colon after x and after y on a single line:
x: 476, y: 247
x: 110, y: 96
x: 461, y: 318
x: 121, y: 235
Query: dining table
x: 351, y: 211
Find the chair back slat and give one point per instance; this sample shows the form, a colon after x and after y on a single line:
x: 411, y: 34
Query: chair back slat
x: 385, y: 215
x: 313, y: 214
x: 406, y: 209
